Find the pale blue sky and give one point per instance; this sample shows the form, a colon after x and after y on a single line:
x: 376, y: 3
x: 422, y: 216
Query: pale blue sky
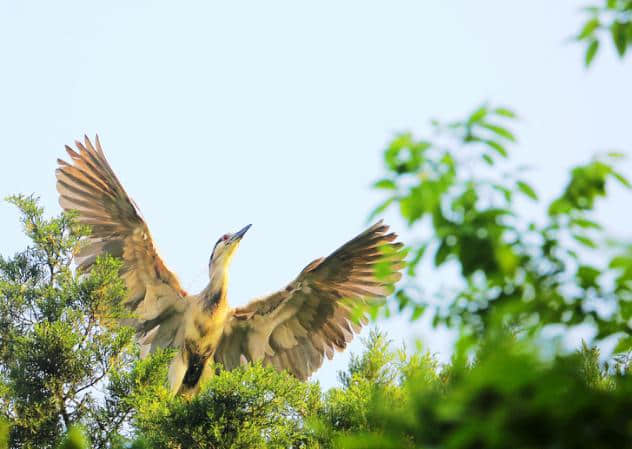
x: 219, y: 114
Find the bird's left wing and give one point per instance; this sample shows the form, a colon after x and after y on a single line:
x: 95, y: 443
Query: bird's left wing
x: 294, y: 328
x: 90, y: 187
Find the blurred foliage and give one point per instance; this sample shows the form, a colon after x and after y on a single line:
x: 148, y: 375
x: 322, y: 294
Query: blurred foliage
x: 521, y: 268
x: 75, y: 438
x: 56, y: 350
x: 612, y: 19
x: 508, y: 398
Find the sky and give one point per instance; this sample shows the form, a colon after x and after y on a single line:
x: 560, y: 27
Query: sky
x: 275, y: 113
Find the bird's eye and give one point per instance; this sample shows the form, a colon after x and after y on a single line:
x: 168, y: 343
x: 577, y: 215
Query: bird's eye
x: 225, y: 237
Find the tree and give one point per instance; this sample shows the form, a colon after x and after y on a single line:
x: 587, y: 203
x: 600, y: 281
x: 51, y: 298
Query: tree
x: 249, y: 407
x: 56, y: 346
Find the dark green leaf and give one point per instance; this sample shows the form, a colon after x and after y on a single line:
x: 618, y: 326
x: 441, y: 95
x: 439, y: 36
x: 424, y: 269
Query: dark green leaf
x: 618, y: 31
x: 624, y: 345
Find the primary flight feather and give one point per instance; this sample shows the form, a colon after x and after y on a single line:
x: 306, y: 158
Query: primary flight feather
x: 291, y: 329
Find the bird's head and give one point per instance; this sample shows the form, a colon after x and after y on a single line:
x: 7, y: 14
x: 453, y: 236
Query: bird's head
x: 225, y: 249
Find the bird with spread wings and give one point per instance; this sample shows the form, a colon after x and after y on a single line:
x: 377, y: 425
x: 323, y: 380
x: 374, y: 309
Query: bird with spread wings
x: 291, y: 329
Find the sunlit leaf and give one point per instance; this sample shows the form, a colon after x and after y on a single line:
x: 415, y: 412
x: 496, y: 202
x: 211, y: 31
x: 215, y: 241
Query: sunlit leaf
x: 622, y: 179
x: 591, y: 52
x: 505, y: 112
x: 386, y: 184
x: 527, y: 190
x: 584, y: 240
x: 589, y: 28
x: 499, y: 130
x: 380, y: 208
x: 496, y: 147
x: 478, y: 115
x: 585, y: 223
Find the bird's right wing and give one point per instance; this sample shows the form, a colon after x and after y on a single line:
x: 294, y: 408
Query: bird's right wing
x: 155, y: 296
x: 294, y: 328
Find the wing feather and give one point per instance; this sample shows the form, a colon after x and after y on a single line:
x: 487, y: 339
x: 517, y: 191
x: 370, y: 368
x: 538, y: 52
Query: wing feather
x: 295, y: 328
x: 89, y: 186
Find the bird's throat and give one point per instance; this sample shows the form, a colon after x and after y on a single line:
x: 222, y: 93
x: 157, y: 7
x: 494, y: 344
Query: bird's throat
x: 215, y: 293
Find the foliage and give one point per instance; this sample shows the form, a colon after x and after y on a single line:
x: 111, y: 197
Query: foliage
x: 55, y: 348
x: 516, y: 272
x: 375, y: 377
x: 249, y: 407
x: 613, y: 18
x: 508, y: 398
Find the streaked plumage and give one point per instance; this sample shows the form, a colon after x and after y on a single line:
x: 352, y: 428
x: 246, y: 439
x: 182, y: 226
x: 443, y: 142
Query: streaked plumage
x: 291, y: 329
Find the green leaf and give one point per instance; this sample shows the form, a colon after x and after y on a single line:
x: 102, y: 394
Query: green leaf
x: 477, y: 115
x: 624, y: 345
x: 499, y: 130
x: 622, y: 179
x: 496, y: 147
x: 380, y: 208
x: 505, y: 112
x: 585, y: 223
x: 527, y: 190
x: 419, y: 254
x: 487, y: 158
x: 618, y: 31
x: 386, y: 184
x: 584, y: 240
x: 591, y: 52
x: 589, y: 28
x: 442, y: 253
x: 587, y: 276
x: 417, y: 312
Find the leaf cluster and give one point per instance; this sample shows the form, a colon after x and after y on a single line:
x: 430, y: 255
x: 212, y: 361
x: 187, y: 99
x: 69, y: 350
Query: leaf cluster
x: 614, y: 19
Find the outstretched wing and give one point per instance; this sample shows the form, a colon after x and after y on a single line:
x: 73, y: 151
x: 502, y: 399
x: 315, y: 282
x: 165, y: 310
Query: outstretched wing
x: 90, y: 187
x: 313, y: 316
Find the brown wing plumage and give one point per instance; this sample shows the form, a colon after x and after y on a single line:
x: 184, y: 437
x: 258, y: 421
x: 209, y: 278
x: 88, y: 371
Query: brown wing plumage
x: 294, y: 328
x: 90, y: 187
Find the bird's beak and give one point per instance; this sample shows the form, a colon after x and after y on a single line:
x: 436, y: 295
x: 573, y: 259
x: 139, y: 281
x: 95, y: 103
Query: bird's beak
x: 239, y: 234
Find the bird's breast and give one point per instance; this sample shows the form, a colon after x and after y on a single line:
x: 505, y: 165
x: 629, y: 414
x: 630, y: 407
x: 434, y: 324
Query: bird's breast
x: 204, y: 328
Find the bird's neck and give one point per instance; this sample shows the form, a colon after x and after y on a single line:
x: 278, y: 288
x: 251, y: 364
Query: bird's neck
x: 215, y: 292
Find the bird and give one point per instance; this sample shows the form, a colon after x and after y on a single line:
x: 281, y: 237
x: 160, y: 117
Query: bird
x: 292, y: 329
